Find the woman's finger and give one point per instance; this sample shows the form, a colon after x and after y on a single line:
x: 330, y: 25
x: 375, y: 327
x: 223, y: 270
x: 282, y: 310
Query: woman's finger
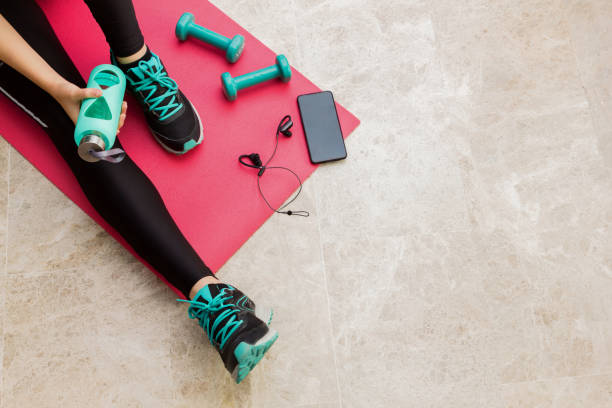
x: 89, y: 93
x: 121, y: 120
x: 123, y: 114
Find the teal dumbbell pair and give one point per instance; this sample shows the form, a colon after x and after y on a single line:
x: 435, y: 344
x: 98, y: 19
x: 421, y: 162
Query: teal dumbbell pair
x: 233, y: 50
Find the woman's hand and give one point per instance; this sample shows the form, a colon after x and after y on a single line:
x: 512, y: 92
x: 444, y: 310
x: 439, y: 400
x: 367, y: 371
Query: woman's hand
x: 17, y: 53
x: 70, y: 96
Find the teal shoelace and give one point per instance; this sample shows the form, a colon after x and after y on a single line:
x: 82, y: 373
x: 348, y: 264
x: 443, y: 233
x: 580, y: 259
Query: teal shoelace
x: 216, y: 332
x: 153, y: 76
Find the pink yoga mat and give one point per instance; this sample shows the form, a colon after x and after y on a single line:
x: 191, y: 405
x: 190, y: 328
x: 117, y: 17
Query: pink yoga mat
x: 213, y: 199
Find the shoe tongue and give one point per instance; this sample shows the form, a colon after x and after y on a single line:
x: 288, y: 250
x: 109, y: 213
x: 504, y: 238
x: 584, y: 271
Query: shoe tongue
x: 138, y: 73
x: 209, y: 292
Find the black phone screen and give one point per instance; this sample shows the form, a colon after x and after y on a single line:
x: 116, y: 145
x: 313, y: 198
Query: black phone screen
x: 321, y: 127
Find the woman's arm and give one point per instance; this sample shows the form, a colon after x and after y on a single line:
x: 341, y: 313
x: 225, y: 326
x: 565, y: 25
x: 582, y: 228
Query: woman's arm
x: 17, y: 53
x: 21, y: 57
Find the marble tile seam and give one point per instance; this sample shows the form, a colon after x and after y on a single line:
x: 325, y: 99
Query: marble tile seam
x: 4, y: 275
x: 329, y: 315
x: 550, y: 379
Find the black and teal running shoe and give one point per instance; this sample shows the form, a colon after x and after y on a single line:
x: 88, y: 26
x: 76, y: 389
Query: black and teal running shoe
x: 174, y: 122
x: 234, y: 325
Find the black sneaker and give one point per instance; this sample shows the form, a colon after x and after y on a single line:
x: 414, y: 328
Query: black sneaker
x: 174, y: 122
x: 234, y: 325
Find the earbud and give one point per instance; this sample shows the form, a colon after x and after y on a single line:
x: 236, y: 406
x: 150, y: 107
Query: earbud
x: 255, y: 163
x: 255, y: 159
x: 285, y: 125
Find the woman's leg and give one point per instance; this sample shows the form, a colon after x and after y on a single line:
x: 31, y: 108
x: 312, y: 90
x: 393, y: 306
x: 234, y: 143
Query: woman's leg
x: 117, y: 19
x: 173, y: 121
x: 128, y: 201
x: 121, y: 193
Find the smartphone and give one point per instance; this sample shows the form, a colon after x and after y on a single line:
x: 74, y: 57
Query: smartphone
x: 321, y: 127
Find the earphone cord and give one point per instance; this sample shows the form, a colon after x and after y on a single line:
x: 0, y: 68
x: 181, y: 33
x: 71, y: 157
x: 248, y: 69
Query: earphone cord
x: 265, y: 167
x: 279, y: 209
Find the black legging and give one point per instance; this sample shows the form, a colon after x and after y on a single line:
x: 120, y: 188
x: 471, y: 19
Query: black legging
x: 121, y: 193
x: 118, y: 22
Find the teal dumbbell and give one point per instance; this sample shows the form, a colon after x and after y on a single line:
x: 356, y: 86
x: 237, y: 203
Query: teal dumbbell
x: 233, y: 47
x: 231, y: 86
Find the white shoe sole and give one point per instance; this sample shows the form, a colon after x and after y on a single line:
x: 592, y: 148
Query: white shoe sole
x: 264, y: 313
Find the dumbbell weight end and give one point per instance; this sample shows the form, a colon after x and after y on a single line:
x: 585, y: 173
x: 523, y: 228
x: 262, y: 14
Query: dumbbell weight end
x: 283, y: 67
x: 229, y: 86
x: 183, y: 25
x: 235, y: 48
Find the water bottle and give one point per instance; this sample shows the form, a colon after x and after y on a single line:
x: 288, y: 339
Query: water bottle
x: 96, y: 127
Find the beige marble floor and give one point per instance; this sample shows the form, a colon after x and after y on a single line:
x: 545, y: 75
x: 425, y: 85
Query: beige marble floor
x: 461, y: 256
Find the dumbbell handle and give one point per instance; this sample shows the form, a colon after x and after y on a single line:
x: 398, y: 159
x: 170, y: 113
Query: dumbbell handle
x: 256, y: 77
x: 210, y: 37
